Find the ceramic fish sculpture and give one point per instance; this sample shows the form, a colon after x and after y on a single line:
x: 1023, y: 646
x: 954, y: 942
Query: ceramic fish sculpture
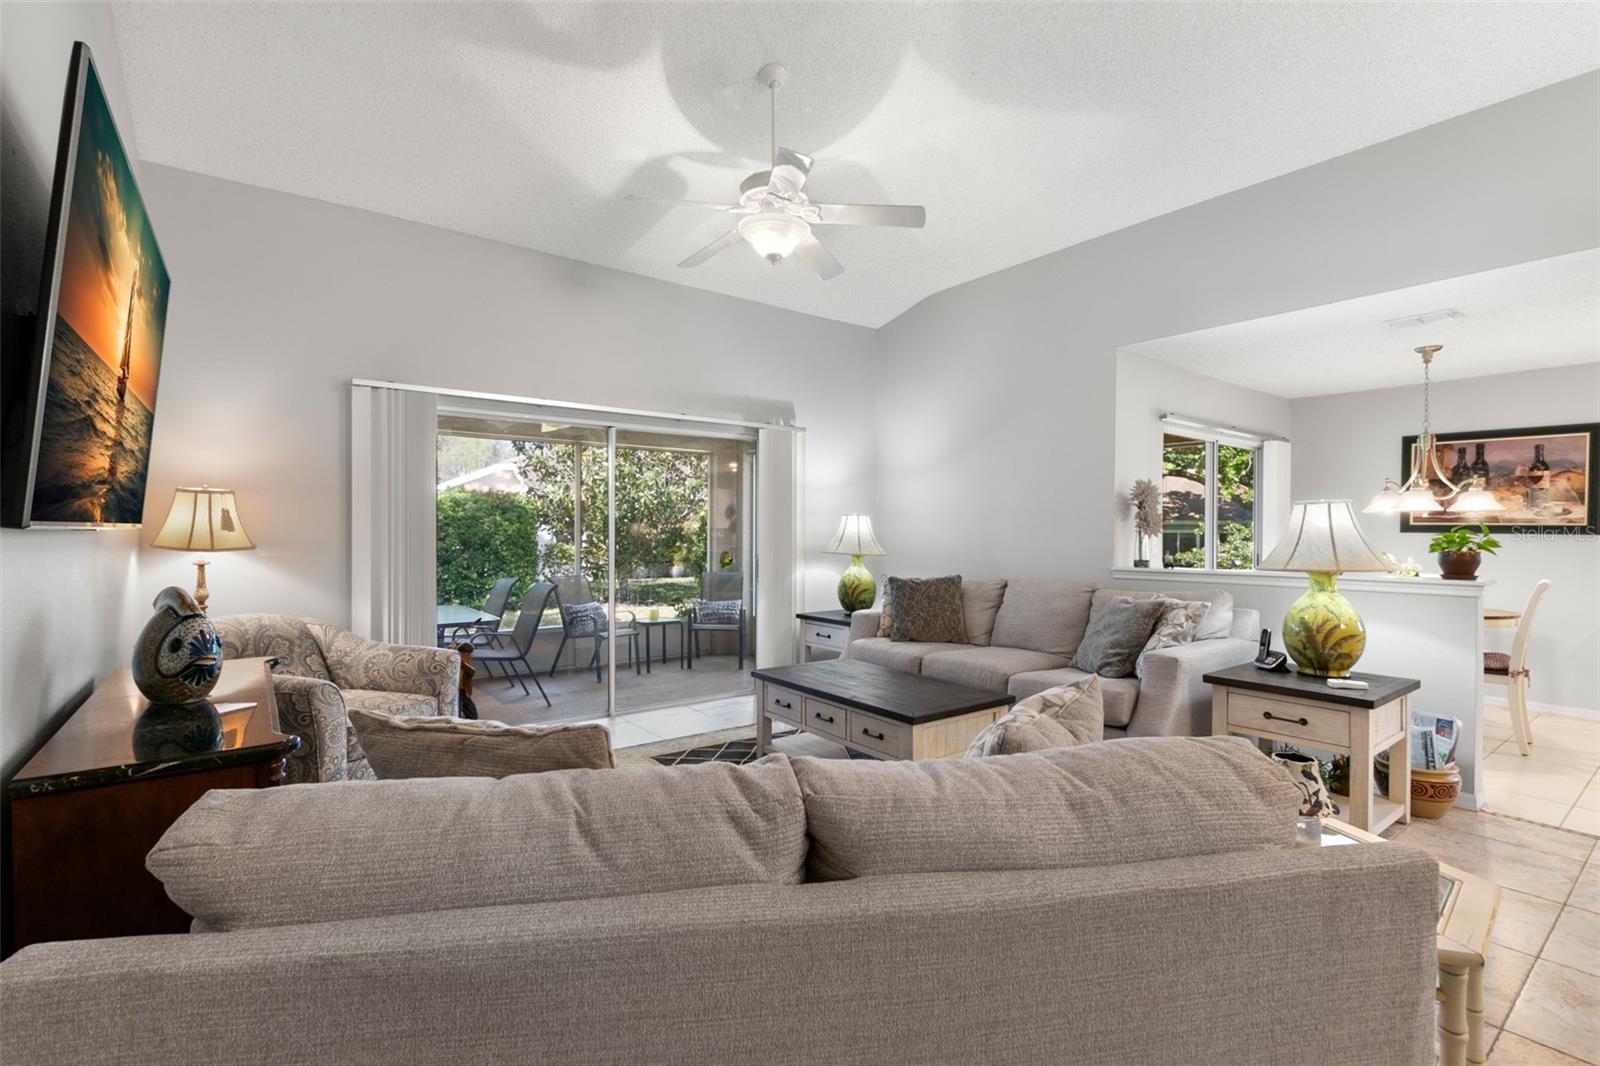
x: 178, y: 657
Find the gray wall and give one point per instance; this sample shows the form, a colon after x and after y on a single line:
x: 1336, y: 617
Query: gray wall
x: 69, y: 599
x: 1345, y: 445
x: 995, y: 414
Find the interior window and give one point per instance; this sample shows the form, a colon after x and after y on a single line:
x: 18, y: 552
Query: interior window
x: 1208, y: 503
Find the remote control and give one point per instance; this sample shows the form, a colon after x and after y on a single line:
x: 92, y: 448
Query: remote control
x: 1345, y: 682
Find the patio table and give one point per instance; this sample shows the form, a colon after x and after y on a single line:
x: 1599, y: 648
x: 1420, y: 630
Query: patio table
x: 450, y: 616
x: 649, y: 625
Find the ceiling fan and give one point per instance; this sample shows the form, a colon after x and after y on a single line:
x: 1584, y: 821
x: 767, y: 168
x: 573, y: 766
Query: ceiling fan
x: 776, y: 214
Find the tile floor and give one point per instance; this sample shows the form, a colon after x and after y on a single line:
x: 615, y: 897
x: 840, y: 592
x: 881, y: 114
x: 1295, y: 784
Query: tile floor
x: 1557, y: 783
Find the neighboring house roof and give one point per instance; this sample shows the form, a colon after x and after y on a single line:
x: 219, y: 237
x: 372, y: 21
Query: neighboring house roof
x: 496, y: 477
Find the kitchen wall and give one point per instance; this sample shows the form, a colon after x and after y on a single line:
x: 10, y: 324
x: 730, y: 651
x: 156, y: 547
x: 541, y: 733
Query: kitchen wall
x: 70, y: 600
x: 996, y: 425
x: 1345, y: 445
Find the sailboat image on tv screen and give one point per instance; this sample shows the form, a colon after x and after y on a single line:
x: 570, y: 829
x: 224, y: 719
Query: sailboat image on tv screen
x: 104, y: 349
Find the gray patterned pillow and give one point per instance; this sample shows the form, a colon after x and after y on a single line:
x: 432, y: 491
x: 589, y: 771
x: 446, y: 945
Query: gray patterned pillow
x: 1177, y: 626
x: 1059, y: 717
x: 928, y: 609
x: 399, y: 746
x: 1116, y: 635
x: 584, y: 619
x: 718, y: 612
x: 885, y: 612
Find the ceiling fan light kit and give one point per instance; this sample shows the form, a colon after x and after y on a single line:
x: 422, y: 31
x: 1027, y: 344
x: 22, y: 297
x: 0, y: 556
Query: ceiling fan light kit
x: 777, y: 214
x: 1471, y: 496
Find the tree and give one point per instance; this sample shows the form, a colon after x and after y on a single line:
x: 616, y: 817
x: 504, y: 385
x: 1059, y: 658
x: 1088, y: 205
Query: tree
x: 483, y: 536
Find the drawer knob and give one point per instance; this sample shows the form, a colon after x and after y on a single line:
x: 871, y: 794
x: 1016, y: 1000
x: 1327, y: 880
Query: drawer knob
x: 783, y: 703
x: 869, y: 733
x: 1278, y: 718
x: 819, y: 716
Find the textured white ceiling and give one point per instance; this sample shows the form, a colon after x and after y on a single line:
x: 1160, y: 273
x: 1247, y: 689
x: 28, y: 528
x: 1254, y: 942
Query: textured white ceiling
x: 1540, y: 314
x: 1023, y: 128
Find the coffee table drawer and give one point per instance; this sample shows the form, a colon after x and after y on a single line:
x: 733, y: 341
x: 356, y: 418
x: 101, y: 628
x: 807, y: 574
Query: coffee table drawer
x: 784, y: 704
x: 827, y: 719
x: 879, y: 735
x: 1299, y: 720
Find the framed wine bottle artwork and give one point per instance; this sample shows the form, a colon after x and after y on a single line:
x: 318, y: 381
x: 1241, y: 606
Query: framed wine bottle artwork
x: 1540, y: 475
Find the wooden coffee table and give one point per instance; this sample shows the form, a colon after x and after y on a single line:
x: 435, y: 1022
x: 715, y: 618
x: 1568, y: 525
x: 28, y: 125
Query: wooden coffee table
x: 1467, y: 906
x: 872, y: 709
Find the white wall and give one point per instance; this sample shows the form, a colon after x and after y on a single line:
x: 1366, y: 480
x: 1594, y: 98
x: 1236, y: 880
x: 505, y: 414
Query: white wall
x: 70, y: 600
x: 1345, y: 445
x: 278, y: 301
x: 1146, y: 390
x: 996, y: 427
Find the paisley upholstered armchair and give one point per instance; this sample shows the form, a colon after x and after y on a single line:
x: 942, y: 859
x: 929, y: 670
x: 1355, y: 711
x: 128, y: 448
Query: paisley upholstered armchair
x: 322, y: 669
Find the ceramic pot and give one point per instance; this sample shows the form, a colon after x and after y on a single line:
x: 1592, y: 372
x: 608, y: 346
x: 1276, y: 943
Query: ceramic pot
x: 1460, y: 566
x: 857, y: 591
x: 1434, y: 792
x: 1322, y: 632
x: 1315, y: 800
x: 178, y: 657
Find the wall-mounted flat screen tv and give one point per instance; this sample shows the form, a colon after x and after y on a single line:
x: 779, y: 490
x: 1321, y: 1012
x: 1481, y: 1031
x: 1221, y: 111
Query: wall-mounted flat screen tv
x: 78, y: 433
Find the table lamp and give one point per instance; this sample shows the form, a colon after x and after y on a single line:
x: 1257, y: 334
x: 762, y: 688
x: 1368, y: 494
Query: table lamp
x: 854, y: 538
x: 203, y: 520
x: 1322, y: 632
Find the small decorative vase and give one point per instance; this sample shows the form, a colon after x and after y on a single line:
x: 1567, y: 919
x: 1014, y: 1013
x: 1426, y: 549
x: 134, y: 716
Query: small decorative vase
x: 1322, y: 632
x: 1434, y: 792
x: 1459, y: 566
x: 178, y: 657
x: 857, y: 590
x: 1315, y: 800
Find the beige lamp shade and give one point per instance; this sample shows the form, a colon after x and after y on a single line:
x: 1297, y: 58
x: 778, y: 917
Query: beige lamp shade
x: 203, y: 519
x: 1323, y: 536
x: 854, y: 537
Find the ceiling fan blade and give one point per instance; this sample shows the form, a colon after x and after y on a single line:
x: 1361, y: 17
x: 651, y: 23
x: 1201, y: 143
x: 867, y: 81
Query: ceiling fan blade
x: 811, y: 252
x: 711, y: 205
x: 731, y: 237
x: 908, y: 215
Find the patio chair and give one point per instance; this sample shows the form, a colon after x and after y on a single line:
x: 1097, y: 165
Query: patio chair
x: 721, y: 611
x: 521, y: 640
x: 584, y: 616
x: 495, y: 603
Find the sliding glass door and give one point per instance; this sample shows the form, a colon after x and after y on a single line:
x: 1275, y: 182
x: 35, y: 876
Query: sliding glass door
x: 627, y: 550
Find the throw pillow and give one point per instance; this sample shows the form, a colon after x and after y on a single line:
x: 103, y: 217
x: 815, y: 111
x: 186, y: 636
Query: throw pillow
x: 1116, y: 634
x: 400, y: 746
x: 885, y: 614
x: 1177, y: 626
x: 584, y: 619
x: 980, y: 602
x: 718, y: 612
x: 1058, y: 717
x: 928, y: 609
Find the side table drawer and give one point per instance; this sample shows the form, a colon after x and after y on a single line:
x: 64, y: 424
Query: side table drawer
x: 1303, y: 721
x: 880, y: 735
x: 827, y: 719
x: 820, y: 636
x: 781, y: 703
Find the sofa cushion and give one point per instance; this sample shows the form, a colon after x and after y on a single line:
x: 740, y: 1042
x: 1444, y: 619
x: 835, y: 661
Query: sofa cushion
x: 980, y: 602
x: 1047, y: 616
x: 401, y: 746
x: 1118, y: 695
x: 905, y: 656
x: 320, y: 853
x: 1117, y: 633
x: 1135, y: 800
x: 1218, y: 620
x: 1058, y: 717
x: 927, y: 609
x: 987, y: 668
x: 279, y: 636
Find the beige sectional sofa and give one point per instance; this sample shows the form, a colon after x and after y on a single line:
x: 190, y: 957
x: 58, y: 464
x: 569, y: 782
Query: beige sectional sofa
x: 1140, y: 901
x: 1022, y: 635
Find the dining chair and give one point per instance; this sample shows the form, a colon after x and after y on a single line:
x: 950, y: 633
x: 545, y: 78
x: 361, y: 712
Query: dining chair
x: 1510, y: 671
x: 521, y: 640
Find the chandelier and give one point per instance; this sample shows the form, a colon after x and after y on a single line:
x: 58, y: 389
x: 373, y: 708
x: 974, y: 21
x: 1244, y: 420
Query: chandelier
x: 1467, y: 495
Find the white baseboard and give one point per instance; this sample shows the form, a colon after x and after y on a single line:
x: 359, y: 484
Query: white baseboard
x: 1589, y: 713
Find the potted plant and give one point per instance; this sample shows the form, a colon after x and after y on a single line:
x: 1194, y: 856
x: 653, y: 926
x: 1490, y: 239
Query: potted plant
x: 1461, y: 549
x: 1145, y: 499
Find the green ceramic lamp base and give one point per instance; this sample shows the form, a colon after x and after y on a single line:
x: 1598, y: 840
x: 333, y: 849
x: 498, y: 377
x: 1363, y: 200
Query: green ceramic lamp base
x: 1322, y: 632
x: 857, y: 590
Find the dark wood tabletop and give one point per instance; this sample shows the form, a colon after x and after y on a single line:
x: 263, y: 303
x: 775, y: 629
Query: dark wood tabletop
x: 909, y: 698
x: 1381, y: 688
x: 827, y: 618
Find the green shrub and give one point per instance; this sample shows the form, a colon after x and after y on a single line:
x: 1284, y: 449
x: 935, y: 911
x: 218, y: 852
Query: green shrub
x: 483, y: 536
